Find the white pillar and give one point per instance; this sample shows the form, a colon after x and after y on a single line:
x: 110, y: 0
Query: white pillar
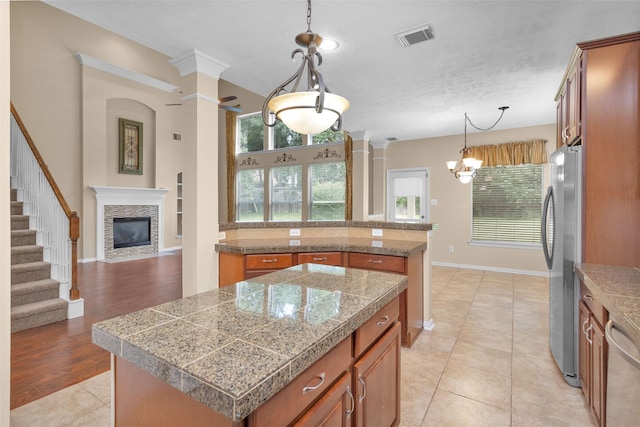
x: 360, y: 176
x: 379, y: 180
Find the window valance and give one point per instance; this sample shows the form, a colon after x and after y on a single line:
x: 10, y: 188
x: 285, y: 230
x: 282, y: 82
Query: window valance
x: 511, y: 153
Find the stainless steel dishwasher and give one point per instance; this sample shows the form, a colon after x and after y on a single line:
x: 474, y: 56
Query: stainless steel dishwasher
x: 623, y: 378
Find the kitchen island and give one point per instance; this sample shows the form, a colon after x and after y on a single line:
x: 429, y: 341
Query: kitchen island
x: 303, y: 343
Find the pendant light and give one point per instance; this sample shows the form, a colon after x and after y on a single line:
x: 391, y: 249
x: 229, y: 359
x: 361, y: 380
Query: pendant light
x: 467, y: 167
x: 314, y: 109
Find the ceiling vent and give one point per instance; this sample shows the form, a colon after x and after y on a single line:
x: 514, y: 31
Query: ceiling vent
x: 415, y: 35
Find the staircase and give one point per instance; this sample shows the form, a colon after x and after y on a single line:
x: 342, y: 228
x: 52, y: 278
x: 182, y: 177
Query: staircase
x: 34, y: 295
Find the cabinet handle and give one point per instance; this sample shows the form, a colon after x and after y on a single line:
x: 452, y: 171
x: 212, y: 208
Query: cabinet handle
x: 322, y: 258
x: 587, y: 297
x: 310, y: 388
x: 383, y: 321
x: 588, y: 334
x: 364, y: 389
x: 269, y: 260
x: 584, y: 325
x: 353, y: 402
x: 375, y: 261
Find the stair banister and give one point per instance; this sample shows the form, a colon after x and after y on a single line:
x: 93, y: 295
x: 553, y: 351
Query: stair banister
x: 74, y: 220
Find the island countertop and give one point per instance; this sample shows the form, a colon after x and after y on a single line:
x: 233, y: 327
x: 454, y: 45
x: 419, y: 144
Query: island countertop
x: 233, y: 348
x: 618, y: 290
x: 375, y: 246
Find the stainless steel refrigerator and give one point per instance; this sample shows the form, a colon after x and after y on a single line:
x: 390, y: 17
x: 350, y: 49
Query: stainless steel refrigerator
x: 561, y: 242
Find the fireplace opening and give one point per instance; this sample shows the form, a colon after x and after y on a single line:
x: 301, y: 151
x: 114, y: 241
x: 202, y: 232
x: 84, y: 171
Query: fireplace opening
x: 128, y: 232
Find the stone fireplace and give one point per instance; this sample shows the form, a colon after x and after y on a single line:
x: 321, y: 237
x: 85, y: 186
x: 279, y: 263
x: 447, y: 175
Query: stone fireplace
x: 128, y: 204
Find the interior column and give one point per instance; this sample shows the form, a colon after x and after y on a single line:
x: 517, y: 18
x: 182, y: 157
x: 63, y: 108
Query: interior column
x: 360, y: 176
x: 200, y: 174
x: 379, y: 179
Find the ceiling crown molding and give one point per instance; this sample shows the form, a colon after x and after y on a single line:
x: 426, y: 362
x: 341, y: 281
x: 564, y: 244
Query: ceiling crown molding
x: 361, y: 135
x: 192, y: 61
x: 125, y: 73
x: 380, y: 144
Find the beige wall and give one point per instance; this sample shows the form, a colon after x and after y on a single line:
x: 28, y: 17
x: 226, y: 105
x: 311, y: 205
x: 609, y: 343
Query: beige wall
x: 453, y: 211
x: 71, y: 110
x: 5, y: 221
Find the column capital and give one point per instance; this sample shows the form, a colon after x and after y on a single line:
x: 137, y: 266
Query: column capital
x: 196, y: 61
x: 361, y: 135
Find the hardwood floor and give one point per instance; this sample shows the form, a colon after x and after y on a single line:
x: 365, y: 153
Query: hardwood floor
x: 52, y: 357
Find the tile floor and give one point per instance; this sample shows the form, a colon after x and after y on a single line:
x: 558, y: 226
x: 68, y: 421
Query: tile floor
x: 486, y: 362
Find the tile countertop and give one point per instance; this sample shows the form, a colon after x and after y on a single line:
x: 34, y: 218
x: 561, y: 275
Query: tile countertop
x: 618, y: 290
x: 233, y: 348
x: 322, y: 244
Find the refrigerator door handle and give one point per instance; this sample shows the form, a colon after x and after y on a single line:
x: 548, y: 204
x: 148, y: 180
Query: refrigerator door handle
x: 548, y: 201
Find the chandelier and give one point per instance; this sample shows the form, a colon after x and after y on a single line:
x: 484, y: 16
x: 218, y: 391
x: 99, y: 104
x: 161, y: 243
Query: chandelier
x: 313, y: 109
x: 467, y: 167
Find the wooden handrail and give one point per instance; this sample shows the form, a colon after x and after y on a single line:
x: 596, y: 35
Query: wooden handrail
x: 74, y: 219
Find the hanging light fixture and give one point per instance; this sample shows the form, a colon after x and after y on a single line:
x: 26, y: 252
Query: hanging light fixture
x: 310, y: 111
x: 467, y: 167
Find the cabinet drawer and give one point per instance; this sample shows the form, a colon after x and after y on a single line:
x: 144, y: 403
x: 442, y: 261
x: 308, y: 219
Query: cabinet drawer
x: 369, y: 332
x: 394, y: 264
x: 599, y: 312
x: 299, y: 394
x: 269, y: 261
x: 328, y: 258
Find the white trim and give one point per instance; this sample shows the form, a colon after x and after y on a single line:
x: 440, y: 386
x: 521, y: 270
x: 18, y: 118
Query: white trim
x: 125, y: 73
x: 379, y: 158
x: 361, y: 135
x: 75, y: 308
x: 201, y: 97
x: 174, y: 248
x: 360, y: 151
x: 506, y: 244
x: 196, y: 61
x: 488, y: 268
x: 428, y: 325
x: 86, y: 260
x: 127, y: 196
x: 380, y: 144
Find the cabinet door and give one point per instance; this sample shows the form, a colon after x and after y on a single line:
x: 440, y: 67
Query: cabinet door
x: 561, y: 139
x: 598, y: 382
x: 327, y: 258
x: 377, y: 382
x: 584, y: 368
x: 334, y: 409
x: 572, y: 100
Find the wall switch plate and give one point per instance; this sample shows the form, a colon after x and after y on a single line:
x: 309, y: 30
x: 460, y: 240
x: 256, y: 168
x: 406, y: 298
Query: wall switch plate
x: 434, y: 202
x: 376, y: 232
x: 450, y: 248
x: 294, y: 232
x: 222, y: 235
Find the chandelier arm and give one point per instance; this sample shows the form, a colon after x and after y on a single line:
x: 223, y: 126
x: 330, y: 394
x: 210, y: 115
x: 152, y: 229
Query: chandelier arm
x: 281, y: 88
x: 320, y: 99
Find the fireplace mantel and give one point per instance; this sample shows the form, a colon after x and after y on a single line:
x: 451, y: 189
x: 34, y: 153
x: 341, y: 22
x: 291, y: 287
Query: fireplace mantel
x: 122, y: 196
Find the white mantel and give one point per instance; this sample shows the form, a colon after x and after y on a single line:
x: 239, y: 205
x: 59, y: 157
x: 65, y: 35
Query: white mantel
x: 127, y: 196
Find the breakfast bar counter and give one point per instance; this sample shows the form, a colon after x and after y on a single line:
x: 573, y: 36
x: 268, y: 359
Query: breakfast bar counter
x: 228, y: 351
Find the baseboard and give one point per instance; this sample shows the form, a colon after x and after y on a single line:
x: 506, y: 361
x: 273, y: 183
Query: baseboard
x: 85, y: 260
x: 75, y: 308
x: 428, y: 325
x: 488, y: 268
x: 175, y: 248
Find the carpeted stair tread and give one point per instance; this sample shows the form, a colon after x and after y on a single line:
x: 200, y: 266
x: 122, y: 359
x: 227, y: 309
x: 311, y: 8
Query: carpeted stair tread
x: 16, y: 208
x: 30, y: 292
x: 30, y: 271
x: 26, y: 254
x: 23, y: 237
x: 14, y: 194
x: 19, y: 222
x: 37, y: 314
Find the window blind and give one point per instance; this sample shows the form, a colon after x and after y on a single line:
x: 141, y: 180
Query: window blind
x: 507, y: 204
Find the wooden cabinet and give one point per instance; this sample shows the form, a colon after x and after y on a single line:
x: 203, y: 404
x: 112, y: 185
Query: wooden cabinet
x: 593, y: 353
x: 569, y: 100
x: 334, y: 409
x: 412, y: 299
x: 377, y: 382
x: 610, y: 137
x: 326, y: 258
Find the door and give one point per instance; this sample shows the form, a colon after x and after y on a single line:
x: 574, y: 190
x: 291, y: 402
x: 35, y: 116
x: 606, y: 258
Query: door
x: 407, y: 191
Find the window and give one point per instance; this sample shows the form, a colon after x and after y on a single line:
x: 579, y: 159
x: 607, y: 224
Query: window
x: 283, y: 137
x: 507, y: 204
x: 286, y: 193
x: 327, y: 136
x: 250, y: 133
x: 250, y: 195
x: 328, y: 181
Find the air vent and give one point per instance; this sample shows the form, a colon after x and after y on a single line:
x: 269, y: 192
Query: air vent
x: 392, y: 138
x: 415, y: 35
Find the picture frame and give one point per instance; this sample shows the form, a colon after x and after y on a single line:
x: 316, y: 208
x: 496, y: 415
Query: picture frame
x: 130, y: 146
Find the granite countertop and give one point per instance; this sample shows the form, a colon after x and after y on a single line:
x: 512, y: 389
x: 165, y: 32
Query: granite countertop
x: 322, y: 244
x: 321, y: 224
x: 233, y: 348
x: 618, y: 290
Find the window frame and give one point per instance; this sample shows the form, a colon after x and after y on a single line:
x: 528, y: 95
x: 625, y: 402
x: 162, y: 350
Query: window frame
x: 506, y: 243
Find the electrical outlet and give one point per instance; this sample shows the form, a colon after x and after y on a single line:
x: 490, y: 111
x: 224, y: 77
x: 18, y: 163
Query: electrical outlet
x: 376, y: 243
x: 222, y: 235
x: 450, y: 248
x: 294, y: 242
x: 376, y: 232
x: 294, y: 232
x: 434, y: 202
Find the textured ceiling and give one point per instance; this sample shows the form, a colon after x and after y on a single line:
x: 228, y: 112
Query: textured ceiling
x: 486, y: 53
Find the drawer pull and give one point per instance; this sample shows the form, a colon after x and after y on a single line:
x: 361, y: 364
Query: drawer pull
x: 269, y: 261
x: 310, y: 388
x: 353, y: 403
x: 587, y: 297
x: 375, y: 261
x: 383, y: 321
x: 588, y: 333
x: 364, y: 389
x: 322, y: 258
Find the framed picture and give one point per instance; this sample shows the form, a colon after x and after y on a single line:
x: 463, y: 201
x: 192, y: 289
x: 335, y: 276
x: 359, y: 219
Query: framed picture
x: 130, y: 146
